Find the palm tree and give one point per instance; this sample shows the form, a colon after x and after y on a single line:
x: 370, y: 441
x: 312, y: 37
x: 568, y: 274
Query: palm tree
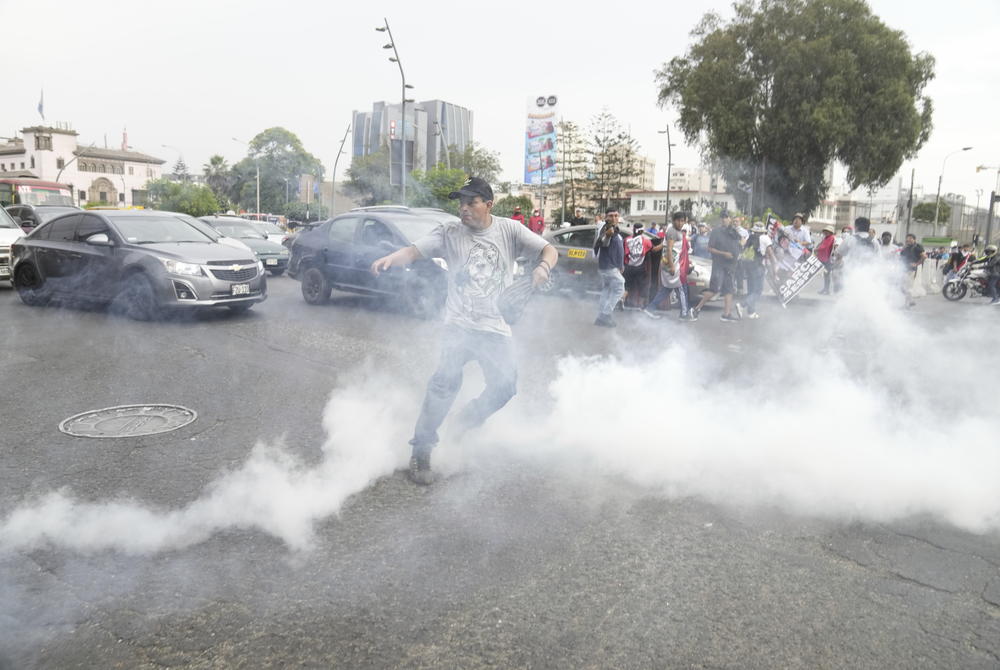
x: 218, y: 176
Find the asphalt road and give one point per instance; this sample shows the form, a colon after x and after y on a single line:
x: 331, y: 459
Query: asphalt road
x: 510, y: 561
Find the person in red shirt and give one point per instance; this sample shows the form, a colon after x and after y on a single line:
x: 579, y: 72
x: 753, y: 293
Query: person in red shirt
x: 517, y: 216
x: 536, y: 223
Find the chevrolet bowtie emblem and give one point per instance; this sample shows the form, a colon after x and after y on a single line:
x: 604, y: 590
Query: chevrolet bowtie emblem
x: 236, y: 268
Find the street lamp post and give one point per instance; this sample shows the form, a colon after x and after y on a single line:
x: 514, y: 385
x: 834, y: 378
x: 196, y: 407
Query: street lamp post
x: 670, y: 162
x: 333, y: 177
x: 256, y: 162
x: 937, y: 199
x: 402, y: 126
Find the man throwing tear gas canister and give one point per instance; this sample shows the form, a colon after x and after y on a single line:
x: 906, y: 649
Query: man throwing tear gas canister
x: 480, y: 253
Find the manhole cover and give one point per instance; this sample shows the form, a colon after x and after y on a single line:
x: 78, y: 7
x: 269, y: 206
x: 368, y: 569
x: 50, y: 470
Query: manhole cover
x: 128, y: 421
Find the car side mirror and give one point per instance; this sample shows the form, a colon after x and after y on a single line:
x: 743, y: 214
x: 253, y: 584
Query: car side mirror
x: 99, y: 240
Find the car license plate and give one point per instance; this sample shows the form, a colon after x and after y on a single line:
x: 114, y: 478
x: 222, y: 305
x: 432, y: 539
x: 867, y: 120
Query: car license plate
x: 241, y: 289
x: 4, y: 272
x: 271, y: 261
x: 576, y: 253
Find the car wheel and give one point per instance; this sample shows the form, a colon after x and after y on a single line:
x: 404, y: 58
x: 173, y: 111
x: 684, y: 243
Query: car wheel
x: 421, y: 299
x: 315, y: 287
x: 241, y: 308
x: 136, y: 299
x: 30, y: 286
x: 277, y: 273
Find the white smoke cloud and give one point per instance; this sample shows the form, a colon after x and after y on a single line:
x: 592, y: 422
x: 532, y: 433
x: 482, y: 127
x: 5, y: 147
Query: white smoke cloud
x: 856, y: 409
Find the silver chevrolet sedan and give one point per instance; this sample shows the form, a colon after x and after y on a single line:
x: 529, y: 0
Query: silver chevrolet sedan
x: 143, y: 263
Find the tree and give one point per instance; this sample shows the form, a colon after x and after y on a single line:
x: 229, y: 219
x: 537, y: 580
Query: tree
x: 925, y: 212
x: 431, y: 188
x: 173, y: 196
x: 573, y: 162
x: 300, y: 211
x: 218, y: 177
x: 613, y: 153
x: 280, y: 155
x: 476, y: 161
x: 505, y: 205
x: 368, y: 178
x: 180, y: 171
x: 787, y: 86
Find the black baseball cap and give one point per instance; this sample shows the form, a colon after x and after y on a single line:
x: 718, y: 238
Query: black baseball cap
x: 472, y: 187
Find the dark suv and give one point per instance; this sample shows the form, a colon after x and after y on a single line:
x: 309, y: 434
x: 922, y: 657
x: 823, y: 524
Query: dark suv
x: 339, y: 252
x: 139, y: 261
x: 32, y: 216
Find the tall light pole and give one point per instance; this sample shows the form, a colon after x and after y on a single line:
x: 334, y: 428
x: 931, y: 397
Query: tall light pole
x: 333, y: 177
x: 402, y: 127
x: 670, y: 162
x: 937, y: 199
x: 256, y: 162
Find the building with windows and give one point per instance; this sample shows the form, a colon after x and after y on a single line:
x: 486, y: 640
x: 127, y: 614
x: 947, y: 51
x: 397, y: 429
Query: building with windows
x: 96, y: 175
x: 651, y: 206
x: 431, y: 126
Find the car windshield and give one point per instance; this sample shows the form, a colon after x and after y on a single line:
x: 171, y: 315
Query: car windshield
x: 413, y: 227
x: 47, y: 213
x: 158, y: 229
x: 6, y: 221
x: 269, y: 228
x: 239, y: 231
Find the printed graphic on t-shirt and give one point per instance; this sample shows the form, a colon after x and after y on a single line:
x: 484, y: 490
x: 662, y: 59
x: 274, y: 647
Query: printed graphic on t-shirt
x: 482, y: 275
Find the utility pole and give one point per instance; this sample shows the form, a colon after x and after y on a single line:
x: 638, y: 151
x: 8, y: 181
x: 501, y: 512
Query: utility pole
x: 909, y: 201
x: 333, y: 177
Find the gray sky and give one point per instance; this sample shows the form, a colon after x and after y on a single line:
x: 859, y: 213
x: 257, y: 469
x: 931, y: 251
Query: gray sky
x: 195, y: 74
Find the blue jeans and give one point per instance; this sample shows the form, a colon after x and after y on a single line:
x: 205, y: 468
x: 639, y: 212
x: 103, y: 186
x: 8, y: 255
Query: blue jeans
x: 612, y: 289
x: 682, y: 297
x: 755, y: 285
x: 495, y: 355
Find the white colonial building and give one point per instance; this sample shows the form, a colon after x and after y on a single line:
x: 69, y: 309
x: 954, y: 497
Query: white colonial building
x: 95, y: 175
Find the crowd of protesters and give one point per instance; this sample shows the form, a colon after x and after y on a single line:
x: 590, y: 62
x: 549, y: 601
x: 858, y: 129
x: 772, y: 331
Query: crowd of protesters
x: 648, y: 268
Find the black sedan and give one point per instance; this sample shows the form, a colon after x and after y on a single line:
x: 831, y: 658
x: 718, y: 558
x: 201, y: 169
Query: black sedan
x: 142, y: 262
x: 339, y: 252
x: 271, y: 254
x: 30, y: 217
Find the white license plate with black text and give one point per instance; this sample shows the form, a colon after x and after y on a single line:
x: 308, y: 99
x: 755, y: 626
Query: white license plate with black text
x: 271, y: 261
x: 241, y: 289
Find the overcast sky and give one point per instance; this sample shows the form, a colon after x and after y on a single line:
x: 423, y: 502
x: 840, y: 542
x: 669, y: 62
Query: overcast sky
x: 192, y: 75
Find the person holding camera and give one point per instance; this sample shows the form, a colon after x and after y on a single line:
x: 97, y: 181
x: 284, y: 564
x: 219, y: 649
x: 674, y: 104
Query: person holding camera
x: 610, y: 251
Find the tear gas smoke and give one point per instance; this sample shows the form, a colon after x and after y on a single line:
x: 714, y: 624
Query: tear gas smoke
x: 856, y: 410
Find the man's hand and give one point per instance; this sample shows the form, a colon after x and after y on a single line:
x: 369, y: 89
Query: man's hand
x: 381, y: 265
x: 539, y: 276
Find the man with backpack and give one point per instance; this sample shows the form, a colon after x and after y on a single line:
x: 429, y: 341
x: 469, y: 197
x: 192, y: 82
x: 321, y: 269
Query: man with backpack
x: 637, y: 245
x: 859, y: 248
x: 756, y: 250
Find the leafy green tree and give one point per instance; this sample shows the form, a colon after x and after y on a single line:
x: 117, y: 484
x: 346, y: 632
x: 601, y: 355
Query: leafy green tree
x: 505, y: 205
x: 787, y: 86
x: 476, y: 161
x: 218, y: 177
x: 280, y: 155
x: 180, y: 171
x: 431, y: 188
x: 613, y: 153
x: 573, y: 163
x: 368, y: 179
x: 174, y: 196
x: 300, y: 211
x: 925, y: 212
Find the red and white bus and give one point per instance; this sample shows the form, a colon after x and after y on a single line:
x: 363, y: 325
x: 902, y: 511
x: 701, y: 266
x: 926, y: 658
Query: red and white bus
x: 27, y: 191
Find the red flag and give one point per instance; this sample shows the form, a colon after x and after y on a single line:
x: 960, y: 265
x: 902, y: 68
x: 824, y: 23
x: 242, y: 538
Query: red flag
x: 825, y: 248
x: 683, y: 261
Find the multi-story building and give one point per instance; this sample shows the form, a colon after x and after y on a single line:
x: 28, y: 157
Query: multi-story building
x: 430, y: 126
x: 651, y: 206
x: 96, y: 175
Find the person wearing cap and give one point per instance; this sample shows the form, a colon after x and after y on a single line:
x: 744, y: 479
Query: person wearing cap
x: 480, y: 253
x: 517, y: 216
x: 536, y: 223
x: 826, y: 253
x: 757, y: 250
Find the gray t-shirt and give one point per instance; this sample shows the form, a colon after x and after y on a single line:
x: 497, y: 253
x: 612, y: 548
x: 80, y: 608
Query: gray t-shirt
x: 480, y: 266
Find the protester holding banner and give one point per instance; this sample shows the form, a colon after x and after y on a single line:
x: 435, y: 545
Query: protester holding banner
x: 798, y: 233
x: 637, y: 246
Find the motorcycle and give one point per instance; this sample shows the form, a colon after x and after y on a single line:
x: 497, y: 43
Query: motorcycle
x: 967, y: 279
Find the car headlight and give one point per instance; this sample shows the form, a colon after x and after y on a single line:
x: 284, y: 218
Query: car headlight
x: 441, y: 263
x: 179, y: 268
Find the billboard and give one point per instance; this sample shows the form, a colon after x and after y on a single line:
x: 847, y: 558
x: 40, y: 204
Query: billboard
x: 540, y: 140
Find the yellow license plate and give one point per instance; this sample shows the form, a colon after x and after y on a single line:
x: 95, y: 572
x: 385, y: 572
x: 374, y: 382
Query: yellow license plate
x: 576, y: 253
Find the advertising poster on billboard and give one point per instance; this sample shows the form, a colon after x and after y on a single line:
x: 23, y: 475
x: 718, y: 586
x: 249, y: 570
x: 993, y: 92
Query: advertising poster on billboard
x: 540, y: 140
